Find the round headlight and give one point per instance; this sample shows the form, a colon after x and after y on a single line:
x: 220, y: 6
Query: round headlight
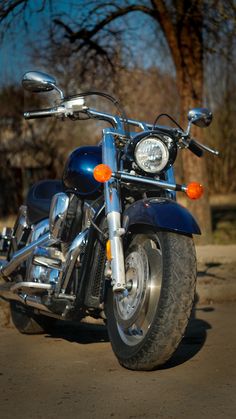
x: 151, y: 155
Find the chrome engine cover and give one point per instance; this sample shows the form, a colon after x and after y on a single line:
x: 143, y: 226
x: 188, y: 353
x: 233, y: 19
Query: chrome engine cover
x: 37, y: 230
x: 45, y: 265
x: 44, y: 275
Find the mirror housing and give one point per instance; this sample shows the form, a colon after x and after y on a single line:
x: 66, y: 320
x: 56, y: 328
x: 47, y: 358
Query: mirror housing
x: 37, y: 81
x: 201, y: 117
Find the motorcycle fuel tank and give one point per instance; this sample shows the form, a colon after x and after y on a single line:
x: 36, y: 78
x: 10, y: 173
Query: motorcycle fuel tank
x: 78, y: 172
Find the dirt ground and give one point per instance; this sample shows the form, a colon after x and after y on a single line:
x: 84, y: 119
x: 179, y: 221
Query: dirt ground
x: 73, y: 373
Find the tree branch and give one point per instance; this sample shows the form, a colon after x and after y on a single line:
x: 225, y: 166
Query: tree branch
x: 162, y: 15
x: 5, y: 10
x: 88, y: 34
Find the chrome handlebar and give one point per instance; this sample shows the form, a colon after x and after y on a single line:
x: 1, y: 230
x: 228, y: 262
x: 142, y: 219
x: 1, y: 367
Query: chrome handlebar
x: 45, y: 113
x: 115, y: 120
x: 65, y: 109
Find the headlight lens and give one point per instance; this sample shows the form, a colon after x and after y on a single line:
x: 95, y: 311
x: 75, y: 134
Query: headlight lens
x: 151, y: 155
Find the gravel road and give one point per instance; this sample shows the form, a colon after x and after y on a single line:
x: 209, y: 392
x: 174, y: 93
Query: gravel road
x: 74, y: 374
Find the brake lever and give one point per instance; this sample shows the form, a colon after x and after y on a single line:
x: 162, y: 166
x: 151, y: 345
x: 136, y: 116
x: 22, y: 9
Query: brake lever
x: 186, y: 142
x: 206, y: 148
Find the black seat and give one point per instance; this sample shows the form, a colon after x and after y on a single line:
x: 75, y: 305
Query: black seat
x: 39, y: 198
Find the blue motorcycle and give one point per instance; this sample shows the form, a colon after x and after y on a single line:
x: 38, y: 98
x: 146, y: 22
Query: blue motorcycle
x: 108, y: 240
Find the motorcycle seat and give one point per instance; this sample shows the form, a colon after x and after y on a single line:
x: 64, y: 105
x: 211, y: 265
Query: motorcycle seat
x: 39, y: 198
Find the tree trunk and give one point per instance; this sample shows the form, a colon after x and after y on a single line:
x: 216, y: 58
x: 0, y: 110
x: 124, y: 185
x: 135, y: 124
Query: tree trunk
x: 182, y: 25
x: 190, y: 82
x: 195, y: 170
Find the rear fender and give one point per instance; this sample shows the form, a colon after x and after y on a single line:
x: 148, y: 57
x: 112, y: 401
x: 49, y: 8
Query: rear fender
x: 160, y: 213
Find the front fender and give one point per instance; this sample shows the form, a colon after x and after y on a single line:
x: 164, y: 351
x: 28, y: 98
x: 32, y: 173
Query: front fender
x: 161, y: 213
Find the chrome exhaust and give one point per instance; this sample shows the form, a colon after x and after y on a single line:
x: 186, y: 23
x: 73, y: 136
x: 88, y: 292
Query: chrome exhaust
x: 9, y: 292
x: 36, y: 286
x: 22, y: 254
x: 35, y: 302
x: 25, y: 291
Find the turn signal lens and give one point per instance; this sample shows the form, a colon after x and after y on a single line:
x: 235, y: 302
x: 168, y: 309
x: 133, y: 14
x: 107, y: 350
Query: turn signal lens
x: 108, y: 250
x: 194, y: 190
x: 102, y: 173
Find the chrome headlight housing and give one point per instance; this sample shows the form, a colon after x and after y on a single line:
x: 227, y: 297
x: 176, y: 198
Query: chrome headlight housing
x: 153, y: 152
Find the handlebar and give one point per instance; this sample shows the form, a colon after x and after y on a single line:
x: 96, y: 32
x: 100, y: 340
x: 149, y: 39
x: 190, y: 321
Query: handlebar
x: 94, y: 114
x: 64, y: 110
x: 45, y: 113
x: 194, y: 148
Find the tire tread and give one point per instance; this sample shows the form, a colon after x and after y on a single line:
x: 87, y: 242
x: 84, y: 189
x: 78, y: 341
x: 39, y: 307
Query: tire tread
x: 175, y: 305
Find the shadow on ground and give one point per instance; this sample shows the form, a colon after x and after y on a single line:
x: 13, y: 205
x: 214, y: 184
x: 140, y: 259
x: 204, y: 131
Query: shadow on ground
x: 193, y: 341
x: 79, y: 333
x: 212, y: 270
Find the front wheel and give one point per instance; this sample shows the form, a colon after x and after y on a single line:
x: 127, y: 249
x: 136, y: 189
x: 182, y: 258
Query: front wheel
x: 147, y: 321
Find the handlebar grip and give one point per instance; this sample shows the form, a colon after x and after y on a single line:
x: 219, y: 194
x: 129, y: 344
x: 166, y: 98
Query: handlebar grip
x: 43, y: 113
x: 195, y: 149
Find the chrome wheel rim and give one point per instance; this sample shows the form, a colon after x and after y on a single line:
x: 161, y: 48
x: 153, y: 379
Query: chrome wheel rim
x: 136, y: 307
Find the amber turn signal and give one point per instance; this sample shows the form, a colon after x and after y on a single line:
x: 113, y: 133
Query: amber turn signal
x: 194, y: 190
x: 102, y: 173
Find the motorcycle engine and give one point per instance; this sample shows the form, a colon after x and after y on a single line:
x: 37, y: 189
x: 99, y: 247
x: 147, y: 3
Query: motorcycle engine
x: 45, y: 265
x: 68, y: 216
x: 65, y: 222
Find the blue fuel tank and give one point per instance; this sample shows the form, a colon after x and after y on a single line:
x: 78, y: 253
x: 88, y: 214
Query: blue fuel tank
x: 78, y: 172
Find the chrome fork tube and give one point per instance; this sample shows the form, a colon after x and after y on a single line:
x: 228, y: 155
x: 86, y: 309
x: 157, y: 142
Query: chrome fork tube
x: 113, y: 213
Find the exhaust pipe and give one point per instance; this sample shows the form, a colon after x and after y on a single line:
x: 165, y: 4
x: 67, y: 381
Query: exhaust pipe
x: 9, y: 292
x: 36, y: 286
x: 22, y: 254
x: 23, y: 291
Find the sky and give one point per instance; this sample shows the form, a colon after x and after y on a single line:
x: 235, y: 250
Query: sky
x: 15, y: 49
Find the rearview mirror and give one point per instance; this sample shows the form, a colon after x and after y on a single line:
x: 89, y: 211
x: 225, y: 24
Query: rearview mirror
x: 201, y: 117
x: 36, y: 81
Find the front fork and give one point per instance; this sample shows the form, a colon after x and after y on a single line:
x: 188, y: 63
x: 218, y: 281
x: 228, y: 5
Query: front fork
x: 113, y: 212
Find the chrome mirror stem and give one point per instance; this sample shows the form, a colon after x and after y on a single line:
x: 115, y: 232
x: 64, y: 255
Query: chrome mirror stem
x: 59, y: 91
x: 187, y: 132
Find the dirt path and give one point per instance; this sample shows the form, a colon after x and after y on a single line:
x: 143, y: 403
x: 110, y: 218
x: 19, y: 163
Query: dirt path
x: 74, y: 374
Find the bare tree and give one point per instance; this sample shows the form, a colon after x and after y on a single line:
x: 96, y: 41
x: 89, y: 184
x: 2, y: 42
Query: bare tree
x: 184, y: 25
x: 222, y: 133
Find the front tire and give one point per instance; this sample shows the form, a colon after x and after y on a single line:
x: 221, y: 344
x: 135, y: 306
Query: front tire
x: 146, y: 323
